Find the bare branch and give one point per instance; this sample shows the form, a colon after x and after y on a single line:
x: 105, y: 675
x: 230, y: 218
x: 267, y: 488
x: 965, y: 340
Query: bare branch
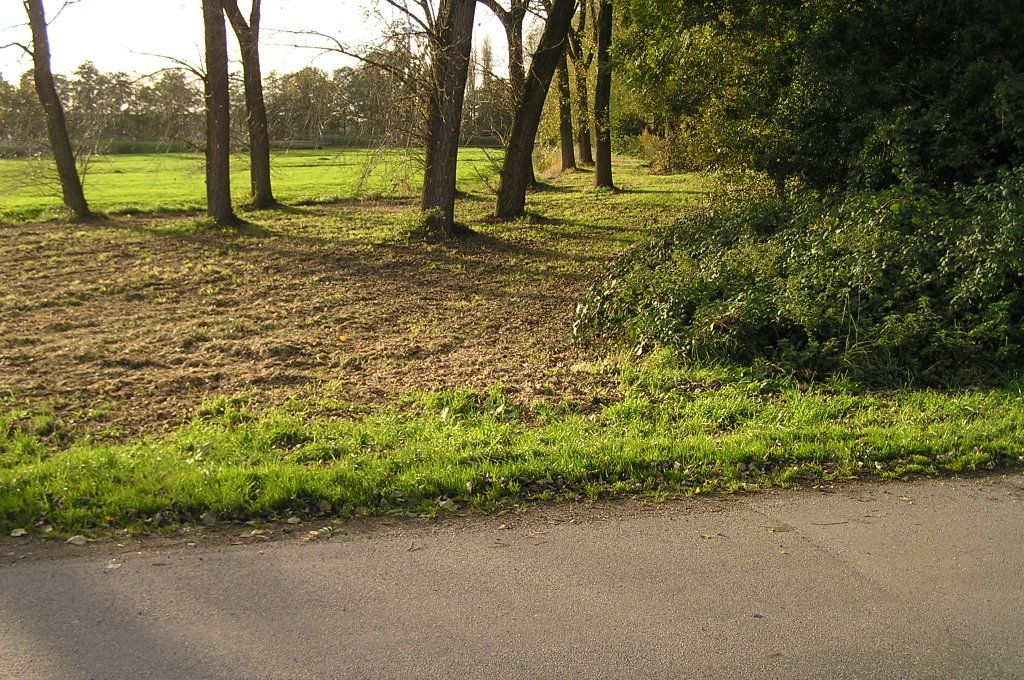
x: 360, y: 54
x: 67, y: 3
x: 24, y: 48
x: 495, y: 8
x: 426, y: 22
x: 235, y: 15
x: 254, y: 17
x: 180, y: 63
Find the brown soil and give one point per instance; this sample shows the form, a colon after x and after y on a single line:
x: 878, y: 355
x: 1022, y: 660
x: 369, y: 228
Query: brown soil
x: 124, y: 327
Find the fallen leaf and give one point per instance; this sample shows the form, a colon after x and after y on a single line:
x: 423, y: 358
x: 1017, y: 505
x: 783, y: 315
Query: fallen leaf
x: 208, y: 518
x: 447, y: 504
x: 78, y: 540
x: 294, y: 520
x: 18, y: 532
x: 784, y: 529
x: 317, y: 534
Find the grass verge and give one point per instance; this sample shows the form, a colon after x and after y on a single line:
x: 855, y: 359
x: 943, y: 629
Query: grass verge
x: 672, y: 430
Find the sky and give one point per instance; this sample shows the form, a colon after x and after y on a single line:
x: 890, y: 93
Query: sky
x: 124, y: 35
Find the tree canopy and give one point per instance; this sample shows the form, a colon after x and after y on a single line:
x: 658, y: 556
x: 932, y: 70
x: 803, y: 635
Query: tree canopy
x: 830, y: 92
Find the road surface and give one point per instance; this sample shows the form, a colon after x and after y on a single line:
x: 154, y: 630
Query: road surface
x: 902, y: 580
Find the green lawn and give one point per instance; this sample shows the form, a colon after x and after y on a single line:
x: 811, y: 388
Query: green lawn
x: 175, y: 181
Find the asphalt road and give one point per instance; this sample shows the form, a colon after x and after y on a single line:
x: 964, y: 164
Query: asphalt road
x: 902, y: 580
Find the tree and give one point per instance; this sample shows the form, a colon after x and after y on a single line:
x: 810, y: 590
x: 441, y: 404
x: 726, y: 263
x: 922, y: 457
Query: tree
x: 511, y: 20
x: 486, y: 114
x: 301, y: 105
x: 518, y: 162
x: 248, y: 36
x: 218, y: 122
x: 170, y: 110
x: 581, y: 53
x: 565, y: 116
x: 829, y: 94
x: 97, y: 108
x: 24, y: 122
x: 450, y: 49
x: 602, y: 97
x: 56, y: 124
x: 379, y: 100
x: 446, y: 34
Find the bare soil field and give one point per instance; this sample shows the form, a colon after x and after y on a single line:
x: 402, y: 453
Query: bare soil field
x: 126, y: 325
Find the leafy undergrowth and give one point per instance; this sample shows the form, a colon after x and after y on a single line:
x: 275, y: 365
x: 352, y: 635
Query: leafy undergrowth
x: 910, y: 285
x: 674, y: 430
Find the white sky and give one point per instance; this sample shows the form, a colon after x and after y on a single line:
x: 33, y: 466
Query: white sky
x: 119, y: 35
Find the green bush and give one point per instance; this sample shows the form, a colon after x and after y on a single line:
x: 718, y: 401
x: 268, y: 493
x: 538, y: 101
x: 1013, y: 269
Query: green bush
x: 907, y: 285
x: 832, y: 93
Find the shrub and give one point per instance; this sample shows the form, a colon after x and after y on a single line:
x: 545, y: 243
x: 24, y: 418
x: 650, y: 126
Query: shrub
x: 905, y: 285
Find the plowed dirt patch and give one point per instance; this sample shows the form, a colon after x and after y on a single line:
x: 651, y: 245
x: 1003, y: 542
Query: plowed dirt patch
x: 125, y: 326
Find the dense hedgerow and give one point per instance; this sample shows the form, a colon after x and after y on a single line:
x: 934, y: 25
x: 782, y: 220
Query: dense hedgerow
x: 907, y: 285
x: 832, y: 93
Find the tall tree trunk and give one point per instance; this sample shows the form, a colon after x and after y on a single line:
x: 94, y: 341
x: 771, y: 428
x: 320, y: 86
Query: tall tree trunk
x: 515, y: 170
x: 451, y: 46
x: 56, y: 125
x: 512, y: 21
x: 516, y: 59
x: 248, y: 35
x: 602, y: 97
x: 581, y: 60
x: 218, y: 106
x: 583, y: 117
x: 565, y: 116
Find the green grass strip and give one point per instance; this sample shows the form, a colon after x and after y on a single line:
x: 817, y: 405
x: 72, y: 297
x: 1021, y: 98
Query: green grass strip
x: 673, y: 431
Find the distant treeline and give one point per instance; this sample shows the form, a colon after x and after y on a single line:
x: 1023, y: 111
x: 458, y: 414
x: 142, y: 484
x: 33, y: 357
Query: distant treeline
x: 369, y: 105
